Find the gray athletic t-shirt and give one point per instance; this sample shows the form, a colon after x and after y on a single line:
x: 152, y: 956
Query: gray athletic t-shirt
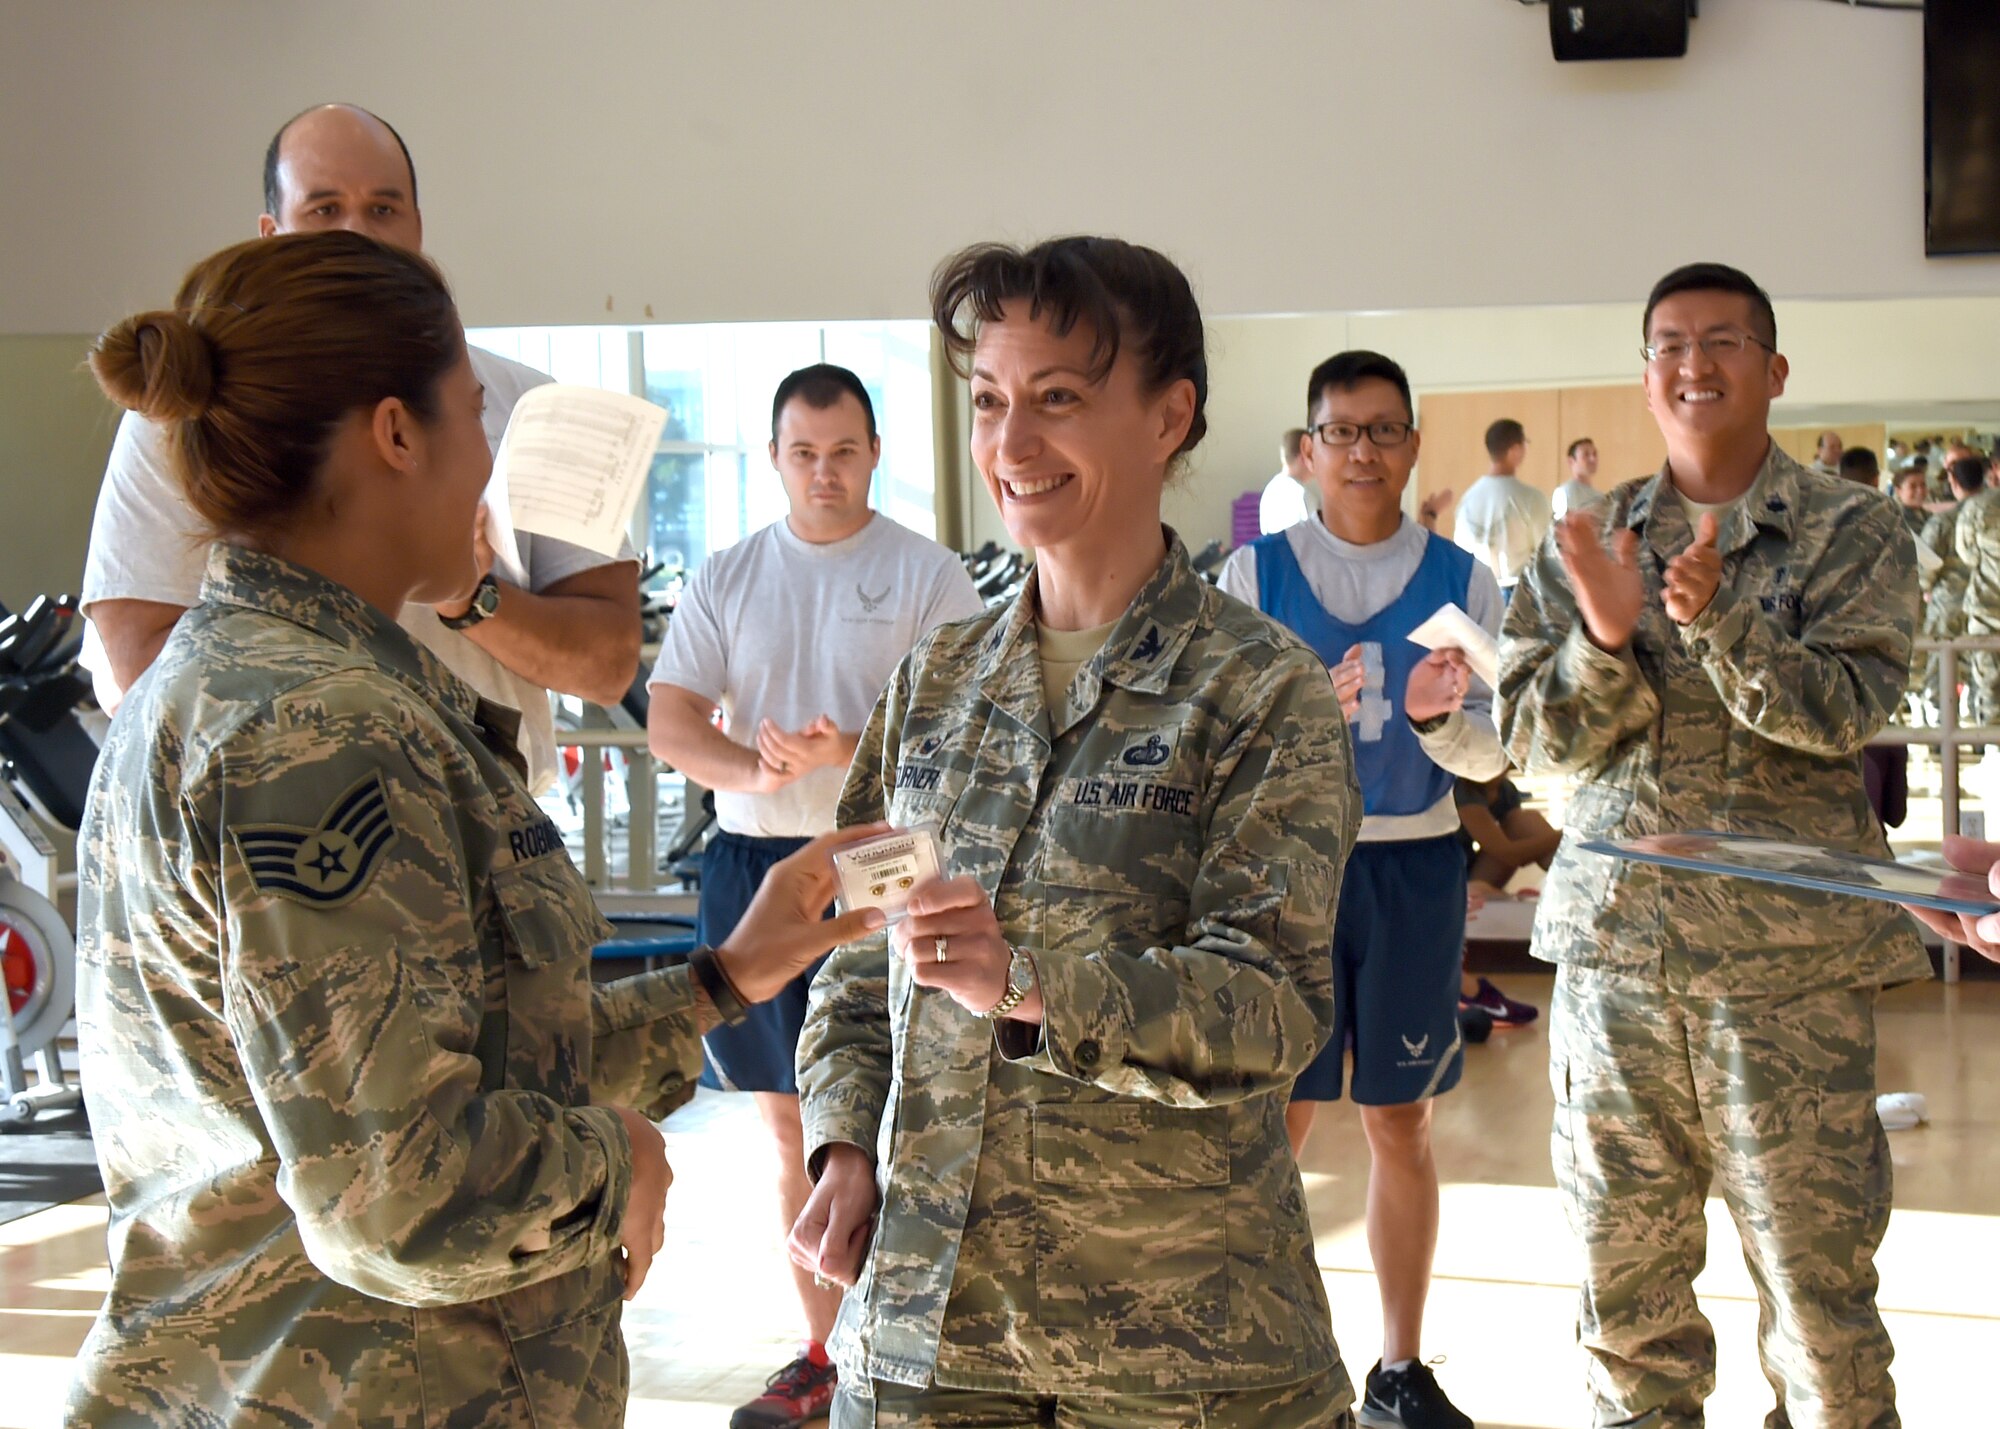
x: 778, y: 628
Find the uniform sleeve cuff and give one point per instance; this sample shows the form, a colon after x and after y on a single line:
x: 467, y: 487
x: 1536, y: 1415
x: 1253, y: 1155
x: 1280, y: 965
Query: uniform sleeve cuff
x: 1724, y: 621
x: 604, y: 1130
x: 1086, y: 1019
x: 1593, y: 671
x: 646, y: 1042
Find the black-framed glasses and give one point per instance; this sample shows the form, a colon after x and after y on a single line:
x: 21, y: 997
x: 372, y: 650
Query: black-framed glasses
x: 1346, y: 434
x: 1716, y: 346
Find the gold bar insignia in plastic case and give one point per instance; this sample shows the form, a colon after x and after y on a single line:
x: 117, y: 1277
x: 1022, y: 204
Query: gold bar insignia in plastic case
x: 882, y: 872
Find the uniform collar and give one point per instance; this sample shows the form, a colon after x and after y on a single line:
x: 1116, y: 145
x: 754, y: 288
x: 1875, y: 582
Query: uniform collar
x: 1140, y: 654
x: 1770, y: 504
x: 256, y: 580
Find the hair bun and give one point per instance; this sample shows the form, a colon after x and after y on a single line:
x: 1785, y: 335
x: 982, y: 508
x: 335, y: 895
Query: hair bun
x: 158, y: 364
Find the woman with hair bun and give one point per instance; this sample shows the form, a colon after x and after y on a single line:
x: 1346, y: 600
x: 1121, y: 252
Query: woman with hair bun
x: 361, y: 1113
x: 1046, y: 1113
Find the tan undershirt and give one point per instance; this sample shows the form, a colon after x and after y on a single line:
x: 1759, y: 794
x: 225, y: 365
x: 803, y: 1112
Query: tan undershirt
x: 1063, y: 653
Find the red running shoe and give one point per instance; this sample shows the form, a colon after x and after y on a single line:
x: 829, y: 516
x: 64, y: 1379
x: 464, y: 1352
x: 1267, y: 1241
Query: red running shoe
x: 797, y: 1394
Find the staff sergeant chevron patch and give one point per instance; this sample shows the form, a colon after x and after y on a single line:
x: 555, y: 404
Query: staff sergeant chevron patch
x: 328, y: 865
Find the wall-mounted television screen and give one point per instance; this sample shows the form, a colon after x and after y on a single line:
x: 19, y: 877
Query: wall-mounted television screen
x: 1962, y: 126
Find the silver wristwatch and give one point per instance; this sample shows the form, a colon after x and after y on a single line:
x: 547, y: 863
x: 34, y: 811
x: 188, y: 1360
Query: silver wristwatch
x: 1020, y: 982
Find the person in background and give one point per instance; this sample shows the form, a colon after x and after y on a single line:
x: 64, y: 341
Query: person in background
x: 1289, y: 497
x: 573, y: 627
x: 1976, y: 539
x: 1912, y: 498
x: 1500, y: 837
x: 790, y: 635
x: 1579, y: 492
x: 1045, y: 1115
x: 377, y: 1148
x: 1827, y: 453
x: 1354, y: 584
x: 1712, y: 651
x: 1500, y: 834
x: 1502, y: 519
x: 1858, y: 464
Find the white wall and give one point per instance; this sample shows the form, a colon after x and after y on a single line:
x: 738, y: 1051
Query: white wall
x: 728, y: 159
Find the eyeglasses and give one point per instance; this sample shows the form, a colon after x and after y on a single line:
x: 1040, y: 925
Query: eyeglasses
x: 1346, y: 434
x: 1716, y: 346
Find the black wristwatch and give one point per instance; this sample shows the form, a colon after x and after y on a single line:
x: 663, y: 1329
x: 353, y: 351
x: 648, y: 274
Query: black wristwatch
x: 722, y: 994
x: 485, y: 604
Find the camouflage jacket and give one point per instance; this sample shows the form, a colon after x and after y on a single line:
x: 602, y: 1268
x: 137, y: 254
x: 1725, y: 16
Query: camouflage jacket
x: 1107, y: 1203
x: 337, y: 1023
x: 1976, y: 539
x: 1750, y: 718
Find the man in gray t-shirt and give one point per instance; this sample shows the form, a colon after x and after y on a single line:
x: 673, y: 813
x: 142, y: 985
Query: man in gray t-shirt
x: 792, y: 634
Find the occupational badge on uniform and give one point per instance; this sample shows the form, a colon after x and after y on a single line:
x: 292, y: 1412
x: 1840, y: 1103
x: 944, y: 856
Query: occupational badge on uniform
x: 882, y: 872
x: 329, y: 864
x: 1153, y: 750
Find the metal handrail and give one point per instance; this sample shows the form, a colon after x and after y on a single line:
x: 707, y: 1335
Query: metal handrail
x: 1947, y: 737
x: 642, y: 772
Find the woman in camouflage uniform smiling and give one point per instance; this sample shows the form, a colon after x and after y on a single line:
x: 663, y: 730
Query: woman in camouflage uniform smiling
x: 1056, y: 1093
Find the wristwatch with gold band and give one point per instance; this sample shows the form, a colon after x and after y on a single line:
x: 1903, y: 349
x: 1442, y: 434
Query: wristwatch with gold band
x: 1020, y: 982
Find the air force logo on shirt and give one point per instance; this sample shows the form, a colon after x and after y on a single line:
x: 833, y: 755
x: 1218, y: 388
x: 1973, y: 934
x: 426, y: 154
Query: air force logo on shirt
x: 327, y: 865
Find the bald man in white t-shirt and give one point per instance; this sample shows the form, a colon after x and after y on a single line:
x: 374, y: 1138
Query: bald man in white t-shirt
x: 560, y: 618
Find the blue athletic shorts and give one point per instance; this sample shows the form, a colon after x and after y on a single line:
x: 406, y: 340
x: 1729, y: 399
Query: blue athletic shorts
x: 1398, y: 946
x: 758, y: 1054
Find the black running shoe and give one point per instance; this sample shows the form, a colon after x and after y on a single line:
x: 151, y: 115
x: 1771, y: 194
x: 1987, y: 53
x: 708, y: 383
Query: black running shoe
x: 1407, y: 1398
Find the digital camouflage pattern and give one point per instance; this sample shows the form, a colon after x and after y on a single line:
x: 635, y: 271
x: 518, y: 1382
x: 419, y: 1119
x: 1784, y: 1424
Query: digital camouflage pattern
x: 1976, y: 540
x: 1786, y: 1084
x: 336, y: 1017
x: 1319, y: 1403
x: 1944, y: 595
x: 1749, y: 719
x: 1709, y: 1026
x: 1108, y: 1207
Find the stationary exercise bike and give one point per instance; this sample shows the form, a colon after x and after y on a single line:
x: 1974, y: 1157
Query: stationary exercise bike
x: 46, y: 756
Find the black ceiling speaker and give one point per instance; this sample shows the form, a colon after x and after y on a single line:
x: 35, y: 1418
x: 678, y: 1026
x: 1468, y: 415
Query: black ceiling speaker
x: 1620, y: 29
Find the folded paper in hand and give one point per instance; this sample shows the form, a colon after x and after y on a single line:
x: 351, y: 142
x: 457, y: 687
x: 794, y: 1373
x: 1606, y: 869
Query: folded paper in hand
x: 572, y: 465
x: 1450, y: 628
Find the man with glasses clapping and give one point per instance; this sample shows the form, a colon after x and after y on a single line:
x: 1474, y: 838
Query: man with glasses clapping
x: 1353, y: 583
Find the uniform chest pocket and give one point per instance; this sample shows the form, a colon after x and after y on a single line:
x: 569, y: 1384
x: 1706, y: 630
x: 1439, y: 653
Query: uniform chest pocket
x: 547, y: 926
x: 1130, y: 1223
x: 1118, y: 876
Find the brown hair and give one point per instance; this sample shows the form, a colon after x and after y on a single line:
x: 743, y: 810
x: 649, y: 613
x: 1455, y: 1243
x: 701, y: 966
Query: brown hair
x: 1124, y: 292
x: 268, y: 347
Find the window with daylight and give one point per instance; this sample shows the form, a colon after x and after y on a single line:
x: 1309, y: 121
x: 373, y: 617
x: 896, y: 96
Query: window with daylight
x: 712, y: 483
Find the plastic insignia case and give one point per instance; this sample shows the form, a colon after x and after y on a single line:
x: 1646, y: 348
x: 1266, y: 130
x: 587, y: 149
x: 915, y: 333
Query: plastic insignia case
x: 882, y: 872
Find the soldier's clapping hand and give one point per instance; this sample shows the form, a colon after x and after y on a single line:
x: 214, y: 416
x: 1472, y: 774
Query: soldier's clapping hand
x: 1610, y: 592
x: 1437, y: 685
x: 1694, y: 575
x: 1982, y: 935
x: 952, y: 942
